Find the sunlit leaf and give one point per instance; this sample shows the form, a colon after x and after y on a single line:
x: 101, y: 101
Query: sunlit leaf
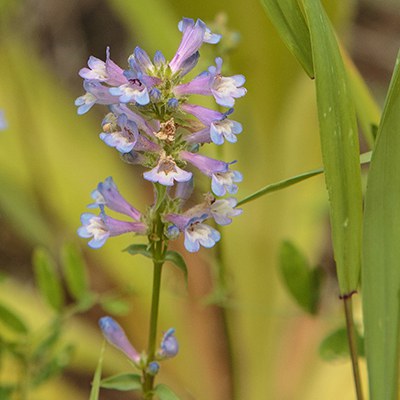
x: 163, y: 392
x: 47, y: 278
x: 336, y: 345
x: 177, y: 259
x: 339, y: 145
x: 47, y: 343
x: 115, y: 306
x: 11, y: 320
x: 122, y: 382
x: 302, y: 282
x: 381, y: 252
x: 74, y: 268
x: 54, y: 366
x: 141, y: 249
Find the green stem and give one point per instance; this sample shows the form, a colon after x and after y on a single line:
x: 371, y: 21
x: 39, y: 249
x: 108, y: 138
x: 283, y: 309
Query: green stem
x: 158, y: 248
x: 351, y: 335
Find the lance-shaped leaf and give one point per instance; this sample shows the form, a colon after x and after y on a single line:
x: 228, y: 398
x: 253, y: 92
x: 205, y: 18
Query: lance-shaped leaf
x: 289, y: 21
x: 339, y: 144
x: 11, y: 320
x: 122, y: 382
x: 381, y: 252
x: 301, y: 280
x: 74, y: 268
x: 47, y: 278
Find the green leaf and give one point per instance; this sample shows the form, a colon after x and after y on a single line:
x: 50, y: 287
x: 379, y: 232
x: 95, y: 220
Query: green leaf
x: 6, y: 392
x: 74, y: 268
x: 142, y: 249
x: 94, y: 393
x: 302, y: 282
x: 47, y: 278
x: 381, y: 252
x: 336, y: 345
x: 11, y: 320
x: 339, y: 145
x: 46, y: 345
x: 165, y: 393
x: 274, y: 187
x: 178, y: 261
x: 122, y: 382
x: 289, y: 21
x: 115, y: 306
x: 53, y: 366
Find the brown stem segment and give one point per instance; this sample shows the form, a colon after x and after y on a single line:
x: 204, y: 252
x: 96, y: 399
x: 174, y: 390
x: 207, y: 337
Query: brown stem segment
x: 351, y: 336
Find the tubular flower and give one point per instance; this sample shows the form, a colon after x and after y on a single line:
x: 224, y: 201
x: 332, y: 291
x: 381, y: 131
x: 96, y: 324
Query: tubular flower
x: 116, y: 336
x: 152, y: 122
x: 101, y: 227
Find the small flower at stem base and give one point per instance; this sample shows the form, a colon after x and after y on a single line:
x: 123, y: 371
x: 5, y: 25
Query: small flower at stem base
x: 116, y: 336
x: 169, y: 345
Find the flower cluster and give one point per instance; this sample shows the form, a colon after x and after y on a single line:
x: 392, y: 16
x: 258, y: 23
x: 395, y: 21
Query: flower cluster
x: 116, y: 336
x: 151, y: 122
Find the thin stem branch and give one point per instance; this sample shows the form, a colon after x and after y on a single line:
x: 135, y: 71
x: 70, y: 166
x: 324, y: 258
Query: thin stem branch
x: 351, y: 335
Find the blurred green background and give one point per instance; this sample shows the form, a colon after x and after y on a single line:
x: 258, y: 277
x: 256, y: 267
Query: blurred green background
x: 241, y: 335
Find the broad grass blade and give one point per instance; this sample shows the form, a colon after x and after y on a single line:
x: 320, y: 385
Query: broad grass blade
x: 339, y: 145
x: 381, y: 252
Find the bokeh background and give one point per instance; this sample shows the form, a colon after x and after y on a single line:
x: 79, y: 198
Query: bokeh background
x: 241, y: 335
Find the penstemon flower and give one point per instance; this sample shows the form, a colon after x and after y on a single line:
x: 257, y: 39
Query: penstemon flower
x: 151, y: 121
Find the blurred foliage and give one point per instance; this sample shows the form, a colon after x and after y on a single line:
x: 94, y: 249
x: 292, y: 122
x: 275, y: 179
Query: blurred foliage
x: 258, y: 345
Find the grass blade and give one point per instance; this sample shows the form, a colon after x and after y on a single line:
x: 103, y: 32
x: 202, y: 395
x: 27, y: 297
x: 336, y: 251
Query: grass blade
x: 339, y: 144
x: 381, y: 252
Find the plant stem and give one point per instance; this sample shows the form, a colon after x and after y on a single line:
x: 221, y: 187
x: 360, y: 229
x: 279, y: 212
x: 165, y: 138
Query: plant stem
x: 158, y: 248
x: 351, y: 335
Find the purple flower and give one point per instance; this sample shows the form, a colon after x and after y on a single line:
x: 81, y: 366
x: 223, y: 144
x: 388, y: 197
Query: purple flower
x: 224, y: 89
x: 223, y: 210
x: 142, y: 124
x: 206, y: 165
x: 116, y: 336
x: 218, y: 126
x: 166, y: 172
x: 107, y: 194
x: 208, y: 37
x: 101, y: 227
x: 169, y: 345
x: 95, y: 93
x: 196, y: 232
x: 192, y: 39
x: 107, y: 72
x: 222, y: 182
x: 124, y: 139
x: 140, y: 62
x: 133, y: 91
